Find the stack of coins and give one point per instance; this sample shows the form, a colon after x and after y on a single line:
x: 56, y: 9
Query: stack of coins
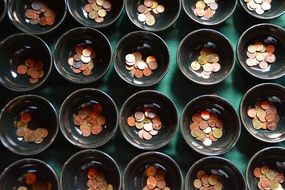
x: 39, y: 13
x: 260, y: 55
x: 264, y: 115
x: 268, y: 179
x: 31, y: 182
x: 146, y: 9
x: 155, y: 179
x: 147, y: 122
x: 206, y: 64
x: 205, y: 181
x: 96, y: 180
x: 82, y: 60
x: 23, y: 131
x: 138, y: 67
x: 32, y: 68
x: 97, y: 9
x: 259, y: 6
x: 206, y: 127
x: 90, y: 120
x: 205, y: 9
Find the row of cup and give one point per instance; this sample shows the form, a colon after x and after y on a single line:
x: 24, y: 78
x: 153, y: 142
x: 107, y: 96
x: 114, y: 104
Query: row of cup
x: 15, y: 49
x: 77, y: 166
x: 168, y: 18
x: 161, y: 106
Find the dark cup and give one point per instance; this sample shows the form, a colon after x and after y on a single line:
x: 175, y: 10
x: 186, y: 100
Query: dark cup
x: 43, y: 116
x: 14, y: 175
x: 277, y: 9
x: 259, y: 33
x: 76, y: 101
x: 135, y: 177
x: 3, y: 9
x: 229, y: 175
x: 14, y: 50
x: 76, y: 9
x: 149, y: 44
x: 64, y: 49
x: 225, y: 111
x: 163, y: 107
x: 189, y: 50
x: 224, y: 11
x: 162, y: 21
x: 16, y: 13
x: 75, y: 169
x: 273, y: 157
x: 273, y: 93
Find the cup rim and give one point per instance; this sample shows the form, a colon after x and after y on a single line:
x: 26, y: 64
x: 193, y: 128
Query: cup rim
x: 59, y: 41
x: 95, y: 25
x: 201, y: 151
x: 91, y: 151
x: 245, y: 96
x: 242, y: 64
x: 152, y: 153
x: 122, y: 126
x: 63, y: 130
x: 10, y: 14
x: 152, y: 29
x: 118, y: 70
x: 189, y: 36
x: 4, y: 10
x: 211, y: 23
x: 40, y: 83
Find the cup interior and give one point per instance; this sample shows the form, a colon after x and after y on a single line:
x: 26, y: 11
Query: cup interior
x: 3, y: 8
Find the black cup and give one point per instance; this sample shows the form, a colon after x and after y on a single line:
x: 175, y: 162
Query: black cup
x: 273, y: 93
x: 135, y: 177
x: 189, y: 50
x: 149, y: 44
x: 75, y: 169
x: 162, y: 21
x: 225, y: 111
x: 14, y: 175
x: 272, y: 34
x: 3, y: 9
x: 85, y: 97
x: 14, y: 50
x: 17, y: 9
x: 43, y: 116
x: 273, y: 157
x: 76, y: 9
x: 164, y: 108
x: 64, y: 49
x: 229, y: 175
x: 224, y: 11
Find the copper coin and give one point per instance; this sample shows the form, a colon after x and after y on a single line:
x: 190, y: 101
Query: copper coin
x: 22, y: 69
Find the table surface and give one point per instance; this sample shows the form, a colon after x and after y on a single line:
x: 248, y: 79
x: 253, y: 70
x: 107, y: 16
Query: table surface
x: 174, y: 85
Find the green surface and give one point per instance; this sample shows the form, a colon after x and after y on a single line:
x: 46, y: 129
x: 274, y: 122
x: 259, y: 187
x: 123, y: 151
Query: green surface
x: 175, y: 85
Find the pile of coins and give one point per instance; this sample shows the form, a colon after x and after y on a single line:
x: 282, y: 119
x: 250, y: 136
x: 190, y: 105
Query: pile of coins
x: 206, y: 127
x: 259, y: 6
x: 96, y: 180
x: 34, y: 184
x: 205, y: 181
x: 260, y: 55
x: 82, y: 60
x: 205, y: 9
x: 90, y: 120
x: 29, y: 135
x: 97, y: 9
x: 138, y: 67
x: 146, y: 9
x: 207, y: 62
x: 40, y: 14
x: 147, y: 122
x: 268, y: 179
x: 155, y: 179
x: 264, y: 115
x: 32, y: 68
